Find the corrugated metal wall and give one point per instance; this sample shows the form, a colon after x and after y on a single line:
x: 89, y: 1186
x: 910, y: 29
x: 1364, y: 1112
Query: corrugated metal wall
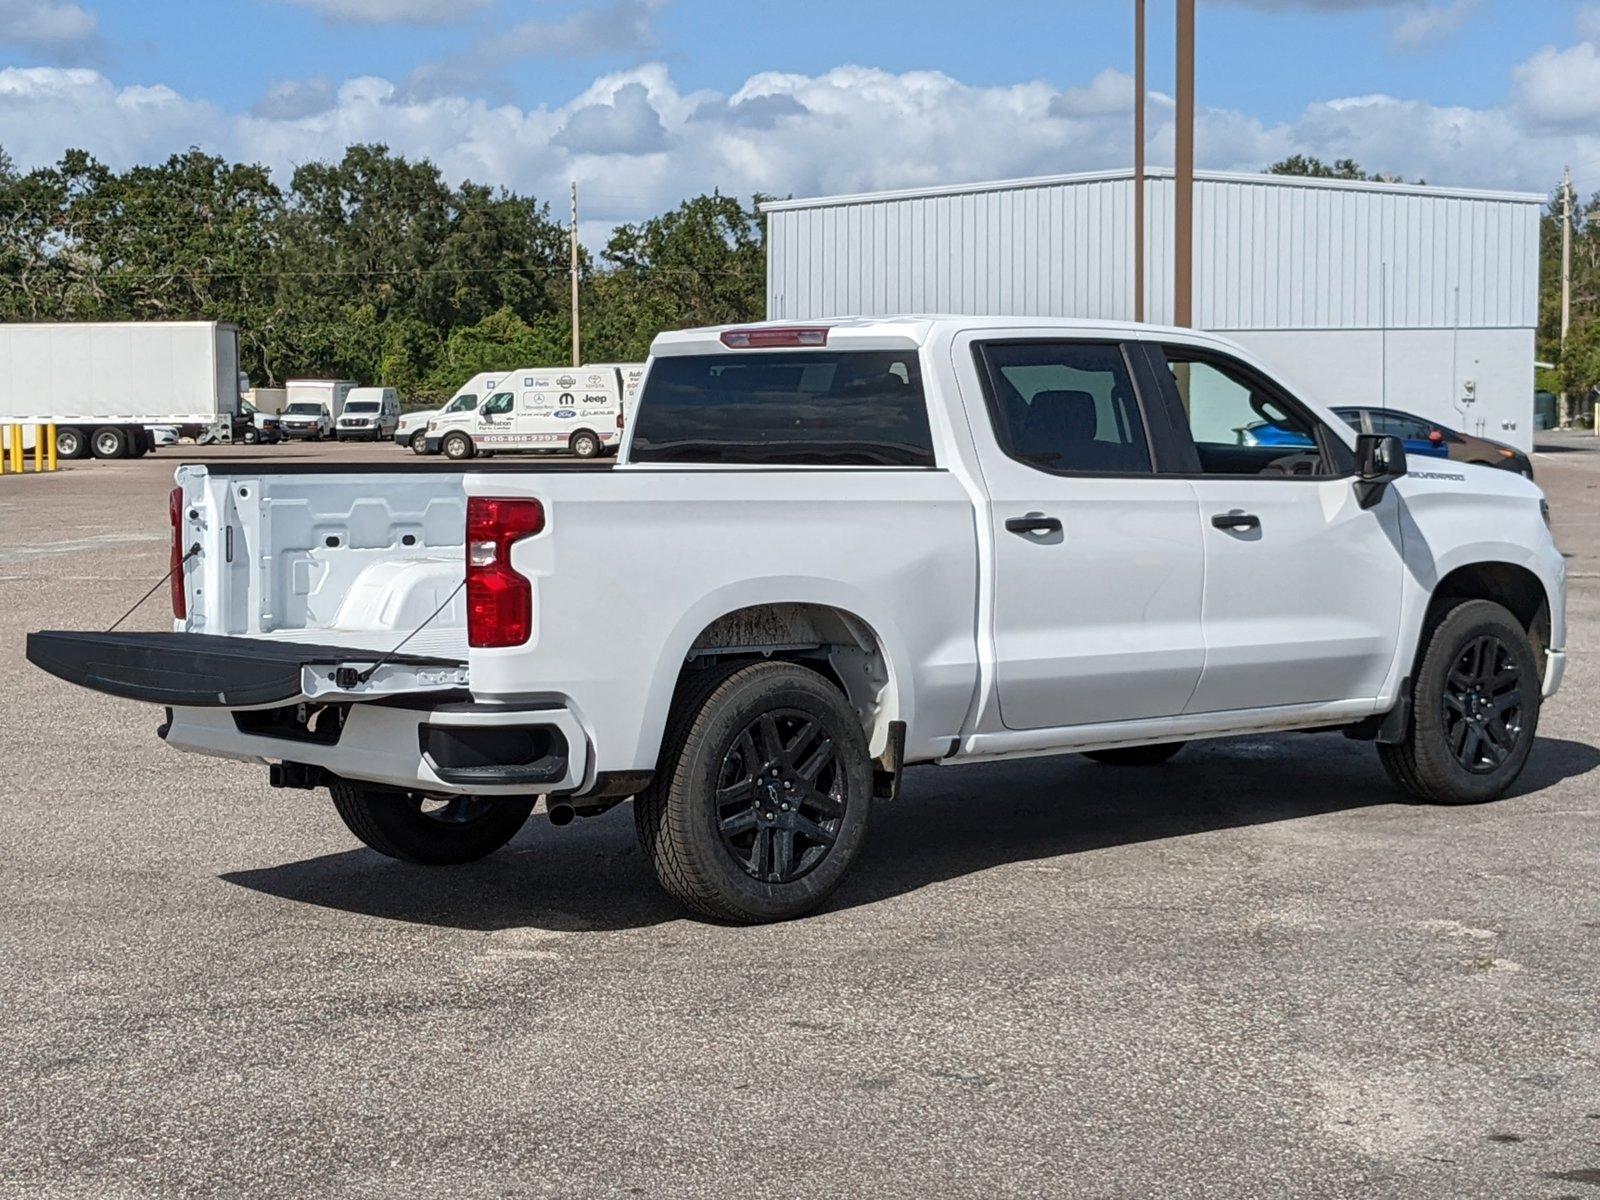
x: 1269, y: 254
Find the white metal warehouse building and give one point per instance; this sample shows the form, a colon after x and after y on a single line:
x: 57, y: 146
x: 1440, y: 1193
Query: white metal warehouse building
x: 1419, y: 298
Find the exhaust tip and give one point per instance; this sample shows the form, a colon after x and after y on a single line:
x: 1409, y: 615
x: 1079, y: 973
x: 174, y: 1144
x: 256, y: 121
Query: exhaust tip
x: 561, y: 814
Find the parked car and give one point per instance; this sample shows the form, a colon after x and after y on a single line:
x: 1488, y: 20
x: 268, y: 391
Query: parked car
x: 370, y: 413
x: 412, y: 430
x: 567, y: 410
x: 306, y: 419
x: 262, y: 427
x: 1422, y: 438
x: 162, y: 435
x: 833, y: 551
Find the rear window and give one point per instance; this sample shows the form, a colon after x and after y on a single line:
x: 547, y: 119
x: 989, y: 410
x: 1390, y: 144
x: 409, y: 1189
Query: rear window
x: 813, y: 408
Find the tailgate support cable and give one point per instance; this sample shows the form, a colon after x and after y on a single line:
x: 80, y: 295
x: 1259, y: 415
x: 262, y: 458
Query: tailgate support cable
x: 363, y: 676
x: 193, y: 550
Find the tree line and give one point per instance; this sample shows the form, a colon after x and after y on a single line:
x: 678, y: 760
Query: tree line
x: 372, y: 268
x: 376, y: 268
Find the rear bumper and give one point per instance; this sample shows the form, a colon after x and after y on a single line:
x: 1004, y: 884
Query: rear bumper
x: 449, y: 748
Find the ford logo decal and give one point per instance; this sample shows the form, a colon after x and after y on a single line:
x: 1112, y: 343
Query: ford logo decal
x: 564, y: 413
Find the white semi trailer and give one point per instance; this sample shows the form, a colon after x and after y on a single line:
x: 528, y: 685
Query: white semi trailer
x: 102, y: 384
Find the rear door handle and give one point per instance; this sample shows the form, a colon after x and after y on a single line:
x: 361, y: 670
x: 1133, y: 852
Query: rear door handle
x: 1026, y: 525
x: 1236, y: 520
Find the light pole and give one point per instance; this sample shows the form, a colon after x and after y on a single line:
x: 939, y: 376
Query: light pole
x: 1183, y: 173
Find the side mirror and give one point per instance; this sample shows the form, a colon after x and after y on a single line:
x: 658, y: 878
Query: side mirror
x: 1380, y: 460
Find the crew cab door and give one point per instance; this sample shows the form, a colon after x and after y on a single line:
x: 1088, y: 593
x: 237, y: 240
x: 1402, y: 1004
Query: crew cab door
x: 1302, y: 584
x: 1097, y: 560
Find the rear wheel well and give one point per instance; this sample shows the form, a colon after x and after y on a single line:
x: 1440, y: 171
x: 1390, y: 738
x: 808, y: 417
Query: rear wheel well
x: 837, y: 644
x: 1514, y: 588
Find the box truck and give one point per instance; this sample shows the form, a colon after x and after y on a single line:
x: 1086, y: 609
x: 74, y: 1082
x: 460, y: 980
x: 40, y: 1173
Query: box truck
x: 101, y: 384
x: 312, y: 406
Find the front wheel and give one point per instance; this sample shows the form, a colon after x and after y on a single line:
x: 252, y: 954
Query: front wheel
x: 419, y: 442
x: 759, y: 804
x: 1136, y: 756
x: 1474, y: 709
x: 584, y: 444
x: 250, y: 436
x: 413, y: 828
x: 457, y: 446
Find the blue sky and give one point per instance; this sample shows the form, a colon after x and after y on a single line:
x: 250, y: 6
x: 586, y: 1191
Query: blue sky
x: 646, y: 100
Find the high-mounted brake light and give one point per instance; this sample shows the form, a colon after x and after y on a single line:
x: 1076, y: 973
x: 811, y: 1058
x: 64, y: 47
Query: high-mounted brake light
x: 499, y: 601
x: 760, y: 339
x: 180, y: 604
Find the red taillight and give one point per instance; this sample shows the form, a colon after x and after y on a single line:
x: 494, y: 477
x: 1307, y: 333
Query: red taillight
x: 619, y: 420
x: 758, y: 339
x: 499, y: 601
x: 180, y: 605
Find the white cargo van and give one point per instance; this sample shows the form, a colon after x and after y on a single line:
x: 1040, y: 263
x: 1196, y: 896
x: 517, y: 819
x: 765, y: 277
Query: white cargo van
x: 412, y: 431
x: 312, y: 406
x: 565, y: 410
x: 370, y: 413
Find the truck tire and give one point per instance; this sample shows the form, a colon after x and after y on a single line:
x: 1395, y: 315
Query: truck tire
x: 402, y: 825
x: 419, y: 442
x: 1474, y: 709
x: 584, y: 444
x: 457, y: 446
x: 71, y: 442
x: 1136, y: 756
x: 109, y: 442
x: 760, y: 800
x: 250, y: 436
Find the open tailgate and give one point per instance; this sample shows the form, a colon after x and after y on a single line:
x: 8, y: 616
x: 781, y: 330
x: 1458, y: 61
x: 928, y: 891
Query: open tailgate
x: 211, y: 671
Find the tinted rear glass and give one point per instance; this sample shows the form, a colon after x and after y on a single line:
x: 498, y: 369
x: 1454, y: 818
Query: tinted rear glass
x: 848, y: 408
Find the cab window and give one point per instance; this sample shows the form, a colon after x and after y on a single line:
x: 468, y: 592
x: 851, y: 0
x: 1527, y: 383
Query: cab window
x: 497, y: 404
x: 1065, y: 407
x: 1243, y: 424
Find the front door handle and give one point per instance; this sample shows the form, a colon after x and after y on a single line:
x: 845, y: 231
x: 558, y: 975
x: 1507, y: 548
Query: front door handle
x: 1237, y: 520
x: 1027, y: 525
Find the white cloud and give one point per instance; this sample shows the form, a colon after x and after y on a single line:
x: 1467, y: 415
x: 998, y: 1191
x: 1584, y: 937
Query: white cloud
x: 53, y: 29
x: 1427, y: 27
x: 618, y: 27
x: 1588, y: 21
x: 1556, y: 88
x: 391, y: 12
x: 638, y: 143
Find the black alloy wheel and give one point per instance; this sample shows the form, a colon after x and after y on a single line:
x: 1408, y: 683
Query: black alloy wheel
x: 1481, y: 705
x: 781, y: 796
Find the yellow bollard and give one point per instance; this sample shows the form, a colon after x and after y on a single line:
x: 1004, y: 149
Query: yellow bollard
x: 4, y: 451
x: 38, y: 448
x: 50, y: 446
x: 16, y: 449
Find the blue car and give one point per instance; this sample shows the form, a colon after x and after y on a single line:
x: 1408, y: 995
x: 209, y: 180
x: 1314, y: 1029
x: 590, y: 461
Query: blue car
x: 1422, y: 438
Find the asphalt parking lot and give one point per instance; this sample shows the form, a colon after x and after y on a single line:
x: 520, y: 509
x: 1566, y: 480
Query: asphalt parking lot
x: 1252, y: 972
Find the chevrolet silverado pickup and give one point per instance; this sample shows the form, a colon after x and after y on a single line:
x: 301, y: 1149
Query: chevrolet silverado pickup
x: 827, y: 553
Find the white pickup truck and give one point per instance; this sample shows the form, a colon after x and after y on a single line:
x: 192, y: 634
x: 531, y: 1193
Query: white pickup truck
x: 830, y: 552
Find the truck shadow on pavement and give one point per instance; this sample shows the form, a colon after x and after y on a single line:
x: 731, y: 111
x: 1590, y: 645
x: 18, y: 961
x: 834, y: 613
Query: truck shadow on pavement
x: 949, y: 823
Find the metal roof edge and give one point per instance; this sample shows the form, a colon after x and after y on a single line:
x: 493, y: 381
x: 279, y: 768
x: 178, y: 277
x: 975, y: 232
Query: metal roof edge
x: 1245, y: 177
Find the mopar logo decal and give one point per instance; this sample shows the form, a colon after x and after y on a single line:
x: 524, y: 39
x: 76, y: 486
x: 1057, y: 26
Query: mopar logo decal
x: 564, y: 413
x: 565, y: 381
x: 567, y: 398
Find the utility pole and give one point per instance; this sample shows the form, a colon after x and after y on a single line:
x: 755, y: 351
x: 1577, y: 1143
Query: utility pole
x: 577, y: 359
x: 1565, y: 417
x: 1138, y: 160
x: 1183, y: 173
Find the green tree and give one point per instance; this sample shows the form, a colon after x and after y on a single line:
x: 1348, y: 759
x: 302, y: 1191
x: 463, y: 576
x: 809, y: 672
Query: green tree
x: 704, y: 263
